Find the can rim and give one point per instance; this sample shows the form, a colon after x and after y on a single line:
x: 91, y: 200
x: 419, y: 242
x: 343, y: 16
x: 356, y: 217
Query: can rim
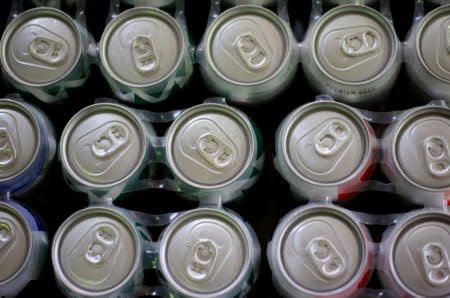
x: 131, y: 13
x: 366, y: 10
x: 71, y: 221
x: 29, y: 14
x: 91, y: 110
x: 250, y: 9
x: 224, y: 216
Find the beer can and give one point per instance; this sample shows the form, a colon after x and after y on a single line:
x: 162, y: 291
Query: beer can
x: 353, y: 54
x: 27, y: 146
x: 23, y: 247
x: 213, y: 150
x: 104, y: 145
x: 325, y: 150
x: 145, y: 55
x: 417, y: 154
x: 43, y: 52
x: 414, y: 256
x: 98, y: 252
x: 209, y: 252
x: 320, y: 251
x: 250, y: 54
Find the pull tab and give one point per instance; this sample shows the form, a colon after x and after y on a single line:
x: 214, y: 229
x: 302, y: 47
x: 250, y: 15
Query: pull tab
x: 252, y: 52
x: 437, y: 156
x: 104, y: 240
x: 361, y: 43
x: 436, y: 264
x: 328, y: 261
x: 48, y: 51
x: 145, y: 56
x: 110, y: 141
x: 202, y: 259
x: 215, y: 151
x: 332, y: 138
x: 7, y: 234
x: 8, y: 152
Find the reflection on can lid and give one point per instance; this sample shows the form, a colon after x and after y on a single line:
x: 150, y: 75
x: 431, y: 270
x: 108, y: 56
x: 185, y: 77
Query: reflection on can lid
x: 40, y: 46
x: 103, y: 145
x: 19, y: 139
x: 96, y: 250
x: 210, y: 145
x: 204, y: 252
x: 325, y: 142
x: 353, y: 43
x: 142, y: 46
x: 247, y: 44
x: 14, y: 242
x: 422, y: 147
x: 421, y: 255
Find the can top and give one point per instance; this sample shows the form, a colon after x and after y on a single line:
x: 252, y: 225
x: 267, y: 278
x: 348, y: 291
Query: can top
x: 103, y: 145
x: 96, y: 250
x: 40, y: 47
x: 15, y: 244
x: 19, y: 138
x: 353, y: 44
x: 210, y: 145
x: 247, y: 44
x: 325, y: 142
x: 142, y: 47
x: 421, y: 147
x: 421, y: 255
x: 433, y: 43
x: 205, y: 253
x: 320, y: 249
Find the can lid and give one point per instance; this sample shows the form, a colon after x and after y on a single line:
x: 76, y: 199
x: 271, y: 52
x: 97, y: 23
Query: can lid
x: 103, y: 145
x: 210, y: 145
x: 247, y: 44
x: 353, y: 44
x: 421, y: 255
x: 14, y: 242
x: 205, y: 253
x: 433, y: 42
x: 19, y: 139
x: 142, y: 47
x: 40, y: 46
x: 96, y: 250
x: 422, y: 147
x: 325, y: 142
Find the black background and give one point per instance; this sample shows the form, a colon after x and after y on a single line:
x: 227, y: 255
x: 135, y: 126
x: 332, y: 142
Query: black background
x: 268, y: 200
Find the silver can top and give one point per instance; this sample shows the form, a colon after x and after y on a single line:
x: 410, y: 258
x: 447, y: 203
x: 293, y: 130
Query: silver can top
x: 421, y: 147
x: 40, y: 47
x: 204, y: 253
x: 353, y: 44
x: 142, y: 47
x: 15, y: 244
x: 96, y: 250
x: 103, y: 145
x: 325, y: 142
x: 19, y: 138
x: 247, y: 44
x: 210, y: 145
x: 421, y: 255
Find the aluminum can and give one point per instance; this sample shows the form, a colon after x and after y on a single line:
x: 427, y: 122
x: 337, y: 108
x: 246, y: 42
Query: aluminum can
x: 325, y: 150
x: 213, y: 150
x: 320, y: 251
x: 145, y: 55
x: 249, y: 54
x: 105, y: 145
x: 414, y: 256
x: 27, y: 146
x: 23, y: 247
x: 416, y: 154
x: 209, y: 252
x: 353, y: 54
x: 44, y: 52
x: 99, y: 252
